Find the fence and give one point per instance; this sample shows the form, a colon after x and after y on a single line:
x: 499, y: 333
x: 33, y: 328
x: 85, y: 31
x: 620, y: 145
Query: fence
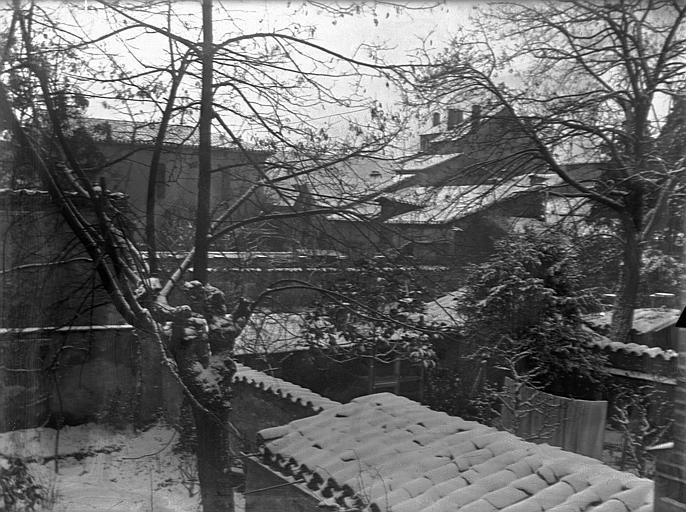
x: 78, y: 374
x: 574, y: 425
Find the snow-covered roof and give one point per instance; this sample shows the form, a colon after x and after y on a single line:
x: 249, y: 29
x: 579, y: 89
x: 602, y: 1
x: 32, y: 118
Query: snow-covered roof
x: 447, y: 203
x: 442, y: 309
x: 287, y: 390
x: 633, y: 348
x: 386, y: 452
x: 335, y: 185
x: 271, y: 333
x: 646, y: 320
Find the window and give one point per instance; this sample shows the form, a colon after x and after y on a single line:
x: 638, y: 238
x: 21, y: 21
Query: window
x: 436, y: 118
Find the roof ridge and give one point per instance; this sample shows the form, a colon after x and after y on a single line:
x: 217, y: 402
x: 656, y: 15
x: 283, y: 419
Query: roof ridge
x: 293, y: 392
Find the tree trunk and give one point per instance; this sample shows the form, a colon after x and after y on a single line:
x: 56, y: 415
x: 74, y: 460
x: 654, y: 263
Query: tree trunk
x: 214, y: 462
x: 151, y: 199
x: 150, y: 214
x: 208, y: 379
x: 623, y: 314
x: 208, y: 376
x: 202, y: 227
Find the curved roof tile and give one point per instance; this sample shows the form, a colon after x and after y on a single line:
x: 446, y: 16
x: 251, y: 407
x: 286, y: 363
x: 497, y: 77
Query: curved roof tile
x: 385, y: 452
x: 282, y: 388
x: 633, y: 348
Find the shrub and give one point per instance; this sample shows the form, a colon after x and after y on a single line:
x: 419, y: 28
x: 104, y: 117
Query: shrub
x: 20, y: 491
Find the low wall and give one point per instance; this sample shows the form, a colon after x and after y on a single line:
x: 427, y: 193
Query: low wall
x: 250, y: 282
x: 81, y: 374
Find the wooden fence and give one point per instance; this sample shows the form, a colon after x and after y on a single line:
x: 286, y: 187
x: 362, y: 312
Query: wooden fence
x: 574, y: 425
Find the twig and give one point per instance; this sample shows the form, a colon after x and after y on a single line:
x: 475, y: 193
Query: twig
x: 154, y: 453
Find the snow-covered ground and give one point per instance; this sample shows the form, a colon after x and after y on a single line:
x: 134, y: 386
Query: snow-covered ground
x: 100, y: 469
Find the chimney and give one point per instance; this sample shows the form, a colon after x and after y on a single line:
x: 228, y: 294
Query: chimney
x: 455, y: 118
x: 476, y: 117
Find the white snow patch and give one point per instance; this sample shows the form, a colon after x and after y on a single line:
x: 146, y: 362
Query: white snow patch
x: 106, y: 470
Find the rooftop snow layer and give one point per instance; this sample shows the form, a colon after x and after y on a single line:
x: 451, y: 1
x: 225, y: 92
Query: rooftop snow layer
x: 646, y: 320
x: 384, y: 452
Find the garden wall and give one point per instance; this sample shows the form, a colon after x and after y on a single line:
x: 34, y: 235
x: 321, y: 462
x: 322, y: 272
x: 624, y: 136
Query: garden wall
x: 104, y: 373
x: 250, y: 282
x: 81, y: 374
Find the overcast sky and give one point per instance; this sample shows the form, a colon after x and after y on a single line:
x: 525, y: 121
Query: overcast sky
x: 402, y: 30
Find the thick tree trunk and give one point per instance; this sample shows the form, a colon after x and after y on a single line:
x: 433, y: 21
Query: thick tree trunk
x: 214, y: 462
x: 207, y: 376
x: 208, y: 379
x: 623, y: 314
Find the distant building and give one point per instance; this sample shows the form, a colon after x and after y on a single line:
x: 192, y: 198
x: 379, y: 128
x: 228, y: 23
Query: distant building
x: 127, y: 148
x: 472, y: 182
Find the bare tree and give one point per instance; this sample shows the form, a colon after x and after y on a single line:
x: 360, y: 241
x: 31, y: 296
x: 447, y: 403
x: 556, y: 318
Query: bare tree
x: 580, y: 81
x: 195, y: 338
x: 643, y: 416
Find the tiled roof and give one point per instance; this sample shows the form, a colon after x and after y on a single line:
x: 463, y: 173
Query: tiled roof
x: 447, y: 203
x: 279, y: 387
x: 335, y: 185
x: 633, y: 348
x: 646, y: 320
x: 387, y: 453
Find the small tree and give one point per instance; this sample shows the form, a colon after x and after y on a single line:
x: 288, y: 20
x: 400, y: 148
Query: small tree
x: 523, y: 315
x: 643, y: 416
